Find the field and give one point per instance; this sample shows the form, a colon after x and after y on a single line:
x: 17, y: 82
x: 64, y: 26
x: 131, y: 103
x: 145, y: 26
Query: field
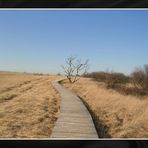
x: 116, y: 115
x: 28, y: 105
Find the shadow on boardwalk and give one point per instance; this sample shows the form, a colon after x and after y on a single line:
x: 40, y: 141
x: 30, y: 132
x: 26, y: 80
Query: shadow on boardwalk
x: 99, y: 125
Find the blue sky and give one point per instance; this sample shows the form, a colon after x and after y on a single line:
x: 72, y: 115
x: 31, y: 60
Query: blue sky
x: 40, y: 41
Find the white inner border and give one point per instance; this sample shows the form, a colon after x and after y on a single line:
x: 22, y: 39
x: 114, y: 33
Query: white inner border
x: 71, y: 9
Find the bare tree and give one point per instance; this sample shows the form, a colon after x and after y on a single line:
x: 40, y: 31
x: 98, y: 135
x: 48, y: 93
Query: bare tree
x: 74, y: 68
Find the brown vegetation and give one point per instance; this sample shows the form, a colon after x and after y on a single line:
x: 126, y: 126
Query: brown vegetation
x: 135, y: 84
x: 111, y: 79
x: 140, y: 80
x: 116, y: 115
x: 28, y: 105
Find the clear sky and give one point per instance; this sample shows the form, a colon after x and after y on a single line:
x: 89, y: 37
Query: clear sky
x: 40, y: 41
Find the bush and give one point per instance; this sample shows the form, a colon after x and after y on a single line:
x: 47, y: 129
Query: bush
x: 38, y: 74
x: 100, y: 76
x: 118, y: 81
x: 58, y: 74
x: 111, y: 79
x: 139, y: 78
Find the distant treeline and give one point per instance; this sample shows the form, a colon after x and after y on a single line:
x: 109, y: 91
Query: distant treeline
x: 136, y: 83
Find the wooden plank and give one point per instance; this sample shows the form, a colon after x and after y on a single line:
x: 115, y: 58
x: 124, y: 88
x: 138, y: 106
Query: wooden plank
x: 74, y: 119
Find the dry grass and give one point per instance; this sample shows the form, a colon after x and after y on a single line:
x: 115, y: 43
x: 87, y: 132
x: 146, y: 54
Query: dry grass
x: 28, y: 105
x: 117, y: 115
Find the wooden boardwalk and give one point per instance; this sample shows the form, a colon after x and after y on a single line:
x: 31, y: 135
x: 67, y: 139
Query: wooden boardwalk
x: 74, y: 119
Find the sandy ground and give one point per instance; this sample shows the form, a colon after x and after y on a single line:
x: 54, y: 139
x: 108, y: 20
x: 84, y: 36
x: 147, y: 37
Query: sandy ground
x: 29, y: 105
x: 117, y: 115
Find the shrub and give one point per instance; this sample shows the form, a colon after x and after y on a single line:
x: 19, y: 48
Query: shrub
x: 58, y: 74
x: 100, y: 76
x: 114, y: 80
x: 111, y: 79
x: 139, y: 78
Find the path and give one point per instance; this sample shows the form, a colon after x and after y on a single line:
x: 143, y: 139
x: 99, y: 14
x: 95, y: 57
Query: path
x: 74, y: 120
